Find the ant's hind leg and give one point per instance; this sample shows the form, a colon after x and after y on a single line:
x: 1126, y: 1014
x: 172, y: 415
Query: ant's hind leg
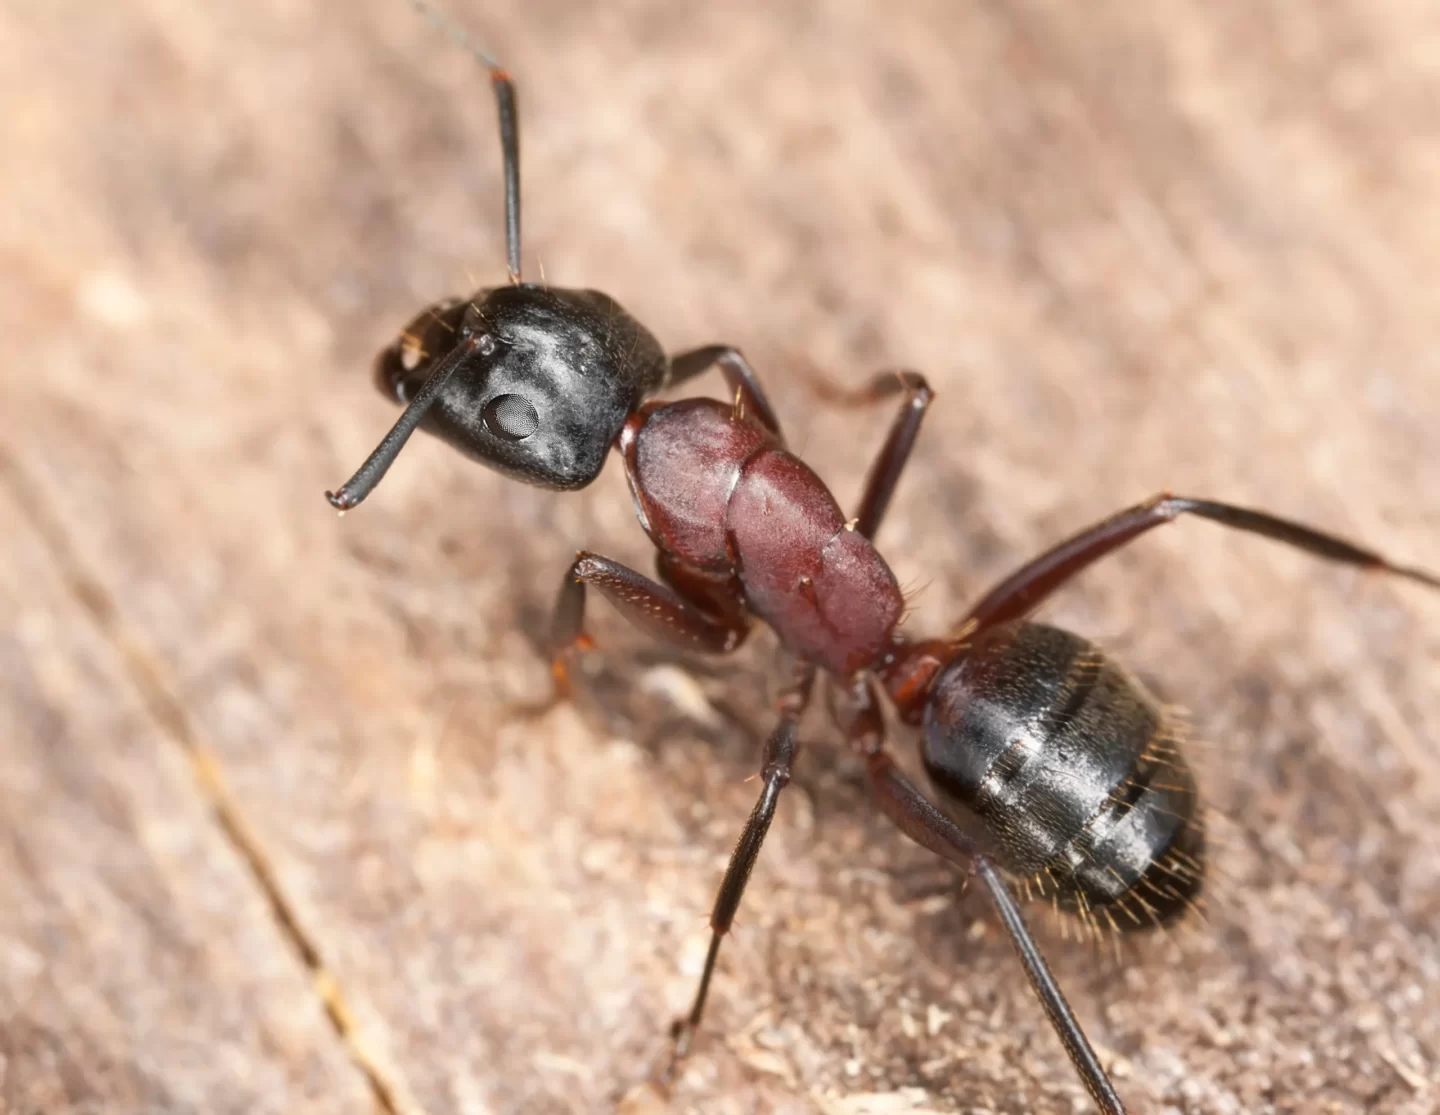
x: 919, y: 819
x: 1025, y: 589
x: 654, y: 608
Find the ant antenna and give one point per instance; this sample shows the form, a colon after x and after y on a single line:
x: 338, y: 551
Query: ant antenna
x: 509, y: 128
x: 378, y: 463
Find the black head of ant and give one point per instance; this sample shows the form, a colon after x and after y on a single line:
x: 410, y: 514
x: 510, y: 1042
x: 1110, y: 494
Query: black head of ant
x: 532, y: 380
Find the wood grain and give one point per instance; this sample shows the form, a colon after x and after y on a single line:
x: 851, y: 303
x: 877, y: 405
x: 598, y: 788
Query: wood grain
x: 142, y: 969
x: 276, y: 766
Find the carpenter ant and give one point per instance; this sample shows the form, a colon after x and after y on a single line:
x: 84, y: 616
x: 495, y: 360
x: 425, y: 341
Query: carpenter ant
x: 1052, y: 766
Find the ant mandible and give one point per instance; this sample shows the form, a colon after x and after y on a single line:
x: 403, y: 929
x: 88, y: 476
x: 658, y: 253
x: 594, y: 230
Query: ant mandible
x: 1055, y: 769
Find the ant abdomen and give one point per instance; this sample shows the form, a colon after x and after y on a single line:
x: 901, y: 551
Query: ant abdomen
x: 1074, y: 772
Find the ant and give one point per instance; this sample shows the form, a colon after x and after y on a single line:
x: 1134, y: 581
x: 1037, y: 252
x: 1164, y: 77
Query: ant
x: 1053, y: 768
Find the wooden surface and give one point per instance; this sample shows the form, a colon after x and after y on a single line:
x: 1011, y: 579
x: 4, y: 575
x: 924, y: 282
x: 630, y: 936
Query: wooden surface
x: 275, y: 834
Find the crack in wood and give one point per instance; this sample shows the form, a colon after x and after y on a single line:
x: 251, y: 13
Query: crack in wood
x: 148, y: 676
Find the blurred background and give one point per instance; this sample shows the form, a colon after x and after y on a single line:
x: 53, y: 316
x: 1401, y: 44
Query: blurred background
x: 277, y: 833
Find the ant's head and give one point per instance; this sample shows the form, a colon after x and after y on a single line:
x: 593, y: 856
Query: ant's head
x: 531, y: 381
x: 542, y: 383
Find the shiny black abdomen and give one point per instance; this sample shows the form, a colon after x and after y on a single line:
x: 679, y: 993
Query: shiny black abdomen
x: 1074, y: 773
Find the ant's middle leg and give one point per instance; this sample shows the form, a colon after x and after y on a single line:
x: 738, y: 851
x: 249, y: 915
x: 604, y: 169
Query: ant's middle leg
x: 1025, y: 589
x: 656, y: 609
x: 775, y: 773
x: 923, y: 822
x: 895, y: 453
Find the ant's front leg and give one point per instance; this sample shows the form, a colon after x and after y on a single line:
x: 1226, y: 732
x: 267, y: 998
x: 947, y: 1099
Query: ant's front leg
x: 659, y: 611
x: 739, y: 377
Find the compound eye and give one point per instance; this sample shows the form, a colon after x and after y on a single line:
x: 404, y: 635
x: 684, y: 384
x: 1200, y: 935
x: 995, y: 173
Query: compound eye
x: 511, y: 417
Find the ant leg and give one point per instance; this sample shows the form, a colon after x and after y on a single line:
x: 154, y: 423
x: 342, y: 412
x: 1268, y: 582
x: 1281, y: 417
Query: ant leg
x: 775, y: 772
x: 919, y: 819
x: 1024, y: 589
x: 715, y: 594
x: 739, y: 377
x: 890, y: 463
x: 654, y: 608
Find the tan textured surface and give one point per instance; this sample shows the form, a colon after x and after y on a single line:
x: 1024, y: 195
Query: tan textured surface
x: 1134, y: 246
